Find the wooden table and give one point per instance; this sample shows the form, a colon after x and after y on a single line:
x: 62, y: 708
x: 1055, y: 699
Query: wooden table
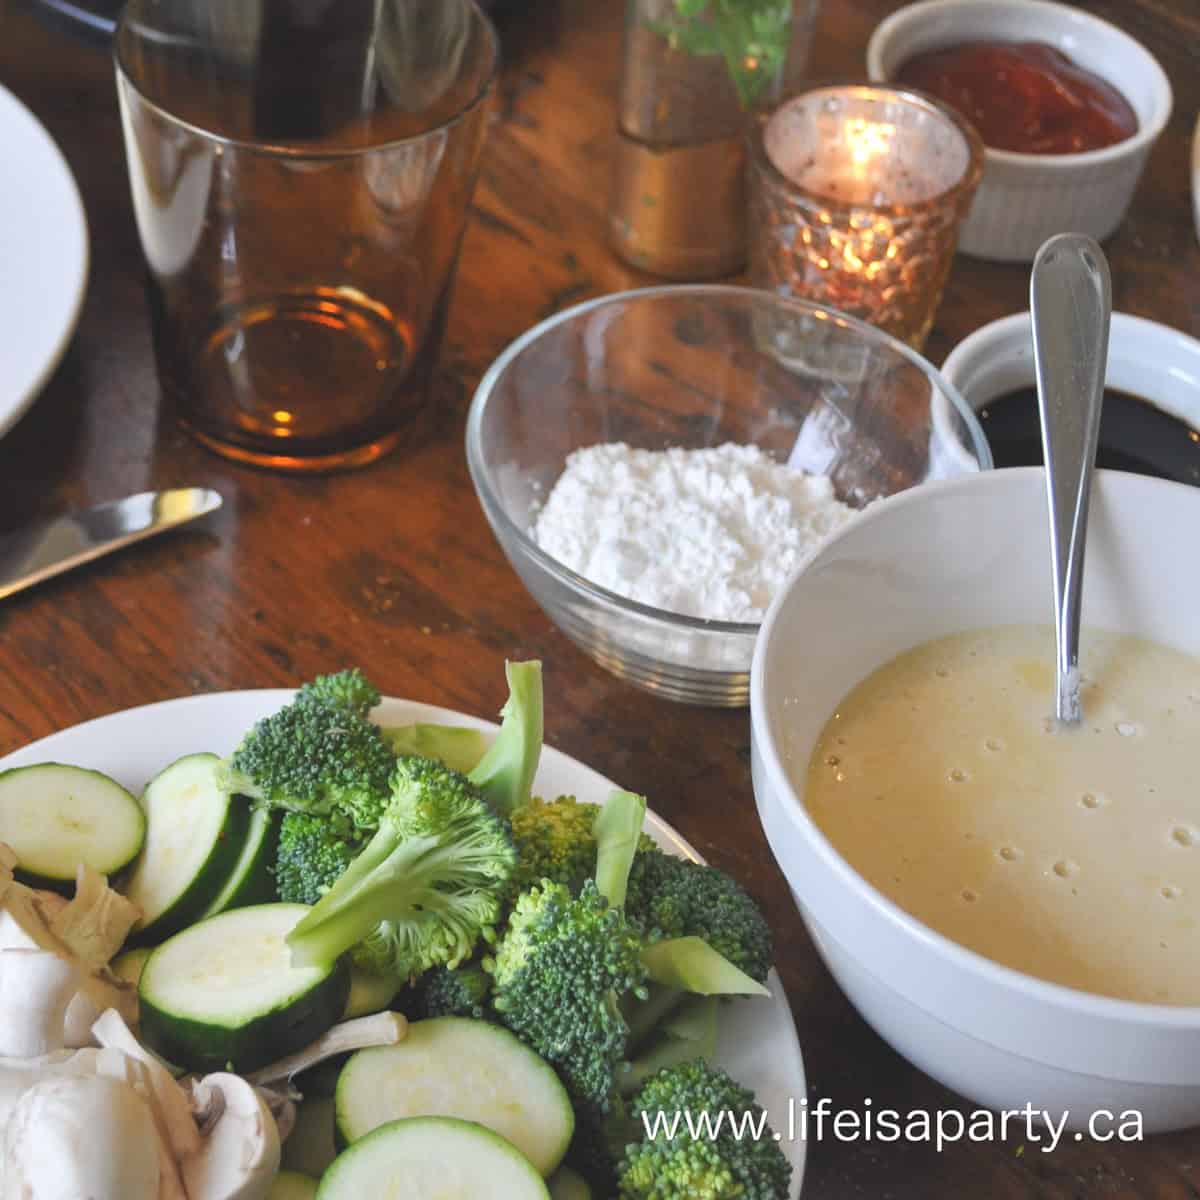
x: 394, y: 567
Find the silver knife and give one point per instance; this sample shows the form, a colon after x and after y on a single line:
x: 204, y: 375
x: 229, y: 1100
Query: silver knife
x: 51, y: 546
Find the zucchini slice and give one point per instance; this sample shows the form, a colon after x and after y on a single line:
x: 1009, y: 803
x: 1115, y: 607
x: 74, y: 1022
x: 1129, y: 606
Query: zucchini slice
x: 251, y: 880
x: 55, y: 817
x: 309, y: 1148
x: 566, y: 1184
x: 292, y: 1185
x: 459, y: 1067
x: 194, y: 836
x: 432, y: 1158
x: 129, y: 965
x: 368, y: 993
x: 223, y: 994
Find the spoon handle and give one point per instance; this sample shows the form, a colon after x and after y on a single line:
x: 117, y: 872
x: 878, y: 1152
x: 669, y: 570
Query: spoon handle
x: 1070, y: 296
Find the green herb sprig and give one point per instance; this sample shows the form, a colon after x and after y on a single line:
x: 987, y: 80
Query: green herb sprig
x: 752, y: 36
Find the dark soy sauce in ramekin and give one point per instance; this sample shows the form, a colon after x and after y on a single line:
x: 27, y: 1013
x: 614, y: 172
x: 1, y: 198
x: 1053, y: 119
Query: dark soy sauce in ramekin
x: 1134, y: 436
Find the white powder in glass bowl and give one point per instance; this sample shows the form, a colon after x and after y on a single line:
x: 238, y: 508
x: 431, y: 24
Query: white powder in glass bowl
x: 709, y: 533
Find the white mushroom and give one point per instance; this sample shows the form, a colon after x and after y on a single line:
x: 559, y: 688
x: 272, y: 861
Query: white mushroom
x: 80, y: 1016
x: 84, y: 1136
x: 379, y: 1029
x: 172, y: 1107
x: 95, y: 922
x: 35, y: 988
x: 239, y: 1157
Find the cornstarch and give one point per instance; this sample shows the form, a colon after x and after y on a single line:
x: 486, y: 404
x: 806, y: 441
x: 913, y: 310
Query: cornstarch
x: 708, y: 533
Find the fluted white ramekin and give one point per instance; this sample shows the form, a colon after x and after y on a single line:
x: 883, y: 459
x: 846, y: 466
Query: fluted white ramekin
x: 1024, y: 199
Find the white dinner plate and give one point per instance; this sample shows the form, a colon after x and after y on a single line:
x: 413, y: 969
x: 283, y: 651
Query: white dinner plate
x: 757, y: 1043
x: 43, y: 257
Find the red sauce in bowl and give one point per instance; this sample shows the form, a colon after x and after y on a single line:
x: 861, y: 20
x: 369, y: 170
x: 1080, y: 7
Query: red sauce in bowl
x: 1024, y: 96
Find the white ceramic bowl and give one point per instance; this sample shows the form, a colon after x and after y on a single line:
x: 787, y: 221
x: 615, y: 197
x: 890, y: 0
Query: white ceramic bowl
x: 943, y: 558
x: 1145, y: 359
x: 1023, y: 199
x: 1196, y: 175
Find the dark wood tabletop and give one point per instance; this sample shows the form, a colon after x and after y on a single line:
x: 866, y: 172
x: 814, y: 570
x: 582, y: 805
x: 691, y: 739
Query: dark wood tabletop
x: 394, y: 567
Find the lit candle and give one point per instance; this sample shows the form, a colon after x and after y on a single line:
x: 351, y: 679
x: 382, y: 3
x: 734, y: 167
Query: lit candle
x: 856, y: 198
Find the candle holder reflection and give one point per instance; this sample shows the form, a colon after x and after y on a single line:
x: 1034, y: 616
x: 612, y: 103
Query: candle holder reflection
x: 856, y: 198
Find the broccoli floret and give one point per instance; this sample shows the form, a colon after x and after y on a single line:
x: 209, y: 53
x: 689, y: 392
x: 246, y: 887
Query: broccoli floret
x: 350, y: 690
x: 319, y: 755
x: 673, y: 897
x: 428, y: 885
x: 668, y: 1163
x: 451, y: 992
x: 505, y: 773
x: 310, y: 857
x: 555, y: 840
x: 559, y: 971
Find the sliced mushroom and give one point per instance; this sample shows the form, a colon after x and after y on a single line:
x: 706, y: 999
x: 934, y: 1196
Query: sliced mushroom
x: 35, y: 989
x: 170, y: 1101
x: 95, y: 922
x: 379, y: 1029
x: 239, y: 1158
x: 83, y: 1136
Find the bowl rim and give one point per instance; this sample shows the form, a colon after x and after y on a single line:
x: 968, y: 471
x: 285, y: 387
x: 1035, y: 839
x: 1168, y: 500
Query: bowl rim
x: 1057, y: 995
x: 1131, y: 337
x: 495, y: 509
x: 1147, y: 132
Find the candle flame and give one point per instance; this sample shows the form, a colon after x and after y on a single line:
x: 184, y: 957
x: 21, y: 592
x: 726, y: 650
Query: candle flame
x: 868, y: 140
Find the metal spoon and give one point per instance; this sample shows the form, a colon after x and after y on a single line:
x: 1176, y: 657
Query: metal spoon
x: 1070, y: 297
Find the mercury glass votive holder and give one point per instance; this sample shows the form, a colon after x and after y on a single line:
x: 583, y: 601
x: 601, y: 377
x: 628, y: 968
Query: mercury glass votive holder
x: 856, y: 198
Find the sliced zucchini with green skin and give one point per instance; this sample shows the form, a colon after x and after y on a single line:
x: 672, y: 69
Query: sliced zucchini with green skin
x: 432, y: 1158
x: 292, y: 1185
x: 309, y: 1148
x: 251, y: 880
x: 459, y: 1067
x: 566, y: 1184
x: 194, y: 836
x: 223, y: 994
x: 129, y: 966
x: 369, y: 993
x: 55, y: 817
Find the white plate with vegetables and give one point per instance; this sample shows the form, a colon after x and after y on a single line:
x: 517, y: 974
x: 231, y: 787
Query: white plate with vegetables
x: 756, y: 1041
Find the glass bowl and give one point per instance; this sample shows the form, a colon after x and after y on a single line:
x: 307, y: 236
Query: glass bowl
x: 696, y: 366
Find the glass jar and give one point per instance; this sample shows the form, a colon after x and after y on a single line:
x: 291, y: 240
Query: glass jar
x: 694, y: 72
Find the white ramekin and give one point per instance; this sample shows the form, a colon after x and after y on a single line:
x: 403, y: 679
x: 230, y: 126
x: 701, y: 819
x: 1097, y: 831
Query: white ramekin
x: 1145, y: 359
x: 944, y: 557
x: 1024, y: 199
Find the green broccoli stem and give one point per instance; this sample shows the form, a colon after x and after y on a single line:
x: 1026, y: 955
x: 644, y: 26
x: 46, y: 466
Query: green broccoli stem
x: 385, y: 882
x: 458, y: 746
x: 390, y: 880
x: 237, y: 783
x: 690, y: 1032
x: 505, y: 773
x: 617, y: 830
x: 644, y: 1016
x: 692, y: 965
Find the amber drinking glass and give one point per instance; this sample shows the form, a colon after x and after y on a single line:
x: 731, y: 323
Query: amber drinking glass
x: 301, y: 172
x: 856, y: 198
